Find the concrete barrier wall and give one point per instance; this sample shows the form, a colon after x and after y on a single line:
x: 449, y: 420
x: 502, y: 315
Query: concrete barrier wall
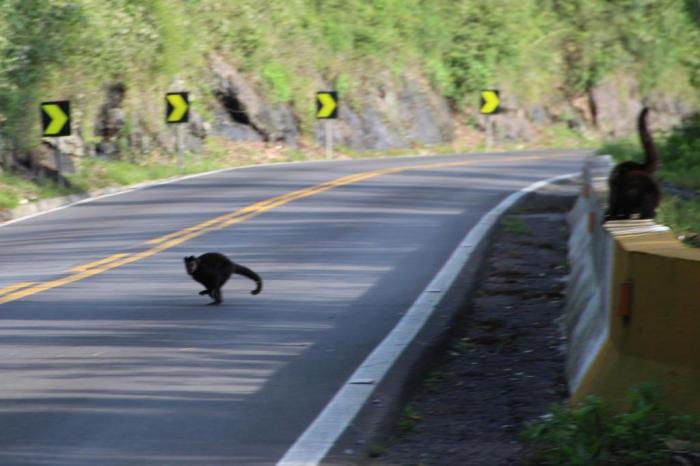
x: 633, y: 303
x: 589, y: 258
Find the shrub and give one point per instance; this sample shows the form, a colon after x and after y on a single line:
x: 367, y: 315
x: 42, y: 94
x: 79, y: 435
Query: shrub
x: 592, y: 433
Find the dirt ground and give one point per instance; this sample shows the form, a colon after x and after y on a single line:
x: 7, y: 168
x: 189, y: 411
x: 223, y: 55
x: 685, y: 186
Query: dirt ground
x: 505, y: 365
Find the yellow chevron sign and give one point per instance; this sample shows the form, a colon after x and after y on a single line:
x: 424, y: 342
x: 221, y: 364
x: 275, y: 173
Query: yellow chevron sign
x: 177, y: 107
x: 55, y: 118
x: 490, y: 101
x: 327, y: 104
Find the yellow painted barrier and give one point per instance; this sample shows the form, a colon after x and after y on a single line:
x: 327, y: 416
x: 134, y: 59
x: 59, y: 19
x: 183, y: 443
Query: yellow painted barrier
x: 652, y: 333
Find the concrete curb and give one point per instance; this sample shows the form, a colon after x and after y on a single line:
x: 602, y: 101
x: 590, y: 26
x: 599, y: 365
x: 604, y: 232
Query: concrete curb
x: 411, y: 331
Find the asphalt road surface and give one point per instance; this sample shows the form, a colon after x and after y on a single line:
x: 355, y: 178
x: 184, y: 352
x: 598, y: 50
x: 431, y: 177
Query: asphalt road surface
x: 109, y: 356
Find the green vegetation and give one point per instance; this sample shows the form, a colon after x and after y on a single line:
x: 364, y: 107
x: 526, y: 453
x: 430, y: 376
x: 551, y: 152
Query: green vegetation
x: 680, y: 157
x: 536, y: 51
x: 376, y: 450
x: 409, y: 419
x: 592, y: 433
x: 15, y: 190
x: 516, y: 226
x: 683, y: 216
x: 73, y: 48
x: 433, y: 380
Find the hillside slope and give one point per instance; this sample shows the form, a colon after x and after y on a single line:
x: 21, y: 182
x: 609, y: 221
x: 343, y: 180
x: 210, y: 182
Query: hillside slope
x: 408, y: 72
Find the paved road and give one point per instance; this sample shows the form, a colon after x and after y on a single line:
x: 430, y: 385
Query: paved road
x: 122, y: 362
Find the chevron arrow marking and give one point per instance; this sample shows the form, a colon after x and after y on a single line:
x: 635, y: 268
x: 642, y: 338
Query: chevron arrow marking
x: 328, y: 105
x: 58, y: 119
x: 490, y: 101
x: 180, y: 107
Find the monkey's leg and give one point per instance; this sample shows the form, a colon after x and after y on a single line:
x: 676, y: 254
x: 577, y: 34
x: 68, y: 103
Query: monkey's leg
x: 649, y: 207
x: 216, y: 294
x: 614, y: 202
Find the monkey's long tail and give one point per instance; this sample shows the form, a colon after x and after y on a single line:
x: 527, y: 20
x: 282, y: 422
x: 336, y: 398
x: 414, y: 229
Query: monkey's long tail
x: 651, y: 156
x: 246, y: 272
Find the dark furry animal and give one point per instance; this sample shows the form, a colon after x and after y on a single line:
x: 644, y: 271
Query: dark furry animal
x: 214, y: 269
x: 633, y: 187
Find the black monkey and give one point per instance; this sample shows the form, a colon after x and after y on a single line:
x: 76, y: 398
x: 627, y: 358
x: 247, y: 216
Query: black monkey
x: 213, y: 269
x: 633, y: 187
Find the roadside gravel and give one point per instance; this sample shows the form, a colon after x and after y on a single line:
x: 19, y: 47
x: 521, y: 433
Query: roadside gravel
x: 504, y: 365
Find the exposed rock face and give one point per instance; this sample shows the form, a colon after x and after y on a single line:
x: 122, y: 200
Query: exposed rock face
x: 392, y: 118
x: 383, y: 118
x: 196, y: 132
x: 618, y: 102
x: 110, y: 120
x: 45, y: 161
x: 224, y: 125
x: 249, y: 115
x: 403, y: 114
x: 121, y: 132
x: 512, y: 126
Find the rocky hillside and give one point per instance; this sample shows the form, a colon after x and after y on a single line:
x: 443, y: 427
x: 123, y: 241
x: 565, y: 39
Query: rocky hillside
x: 408, y: 71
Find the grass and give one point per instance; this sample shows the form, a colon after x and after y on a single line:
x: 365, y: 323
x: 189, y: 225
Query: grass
x: 462, y: 346
x: 683, y: 217
x: 98, y: 173
x: 594, y: 433
x: 376, y: 450
x: 559, y: 136
x: 409, y: 419
x: 516, y: 226
x: 433, y: 381
x: 621, y: 149
x: 16, y: 190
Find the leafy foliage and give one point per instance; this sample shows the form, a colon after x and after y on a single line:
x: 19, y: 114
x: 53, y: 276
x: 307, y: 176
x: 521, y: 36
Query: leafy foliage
x: 683, y: 216
x: 681, y: 154
x: 73, y: 48
x: 591, y: 433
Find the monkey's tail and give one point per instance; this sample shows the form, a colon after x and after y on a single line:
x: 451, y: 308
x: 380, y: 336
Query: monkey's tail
x: 246, y: 272
x: 651, y: 156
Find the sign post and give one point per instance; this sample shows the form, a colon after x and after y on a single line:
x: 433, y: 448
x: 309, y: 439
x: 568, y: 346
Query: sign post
x: 327, y: 109
x: 55, y: 123
x: 328, y: 128
x: 490, y: 104
x: 177, y: 111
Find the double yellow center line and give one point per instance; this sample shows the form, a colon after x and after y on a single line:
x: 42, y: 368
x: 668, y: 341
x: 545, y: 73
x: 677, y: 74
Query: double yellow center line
x: 21, y: 290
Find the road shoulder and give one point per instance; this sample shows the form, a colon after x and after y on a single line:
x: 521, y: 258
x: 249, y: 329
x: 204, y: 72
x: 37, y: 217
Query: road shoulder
x: 491, y: 359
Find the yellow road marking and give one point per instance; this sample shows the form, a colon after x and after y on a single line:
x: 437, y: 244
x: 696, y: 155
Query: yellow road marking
x: 91, y: 265
x: 14, y: 287
x: 162, y: 243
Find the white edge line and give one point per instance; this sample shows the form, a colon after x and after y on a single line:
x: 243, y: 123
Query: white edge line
x: 317, y: 440
x: 150, y: 184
